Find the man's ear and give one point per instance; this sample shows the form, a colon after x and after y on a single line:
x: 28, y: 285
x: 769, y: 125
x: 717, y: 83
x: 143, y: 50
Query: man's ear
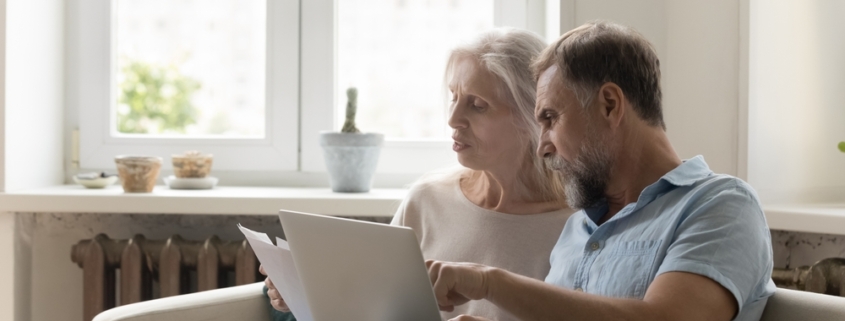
x: 611, y: 103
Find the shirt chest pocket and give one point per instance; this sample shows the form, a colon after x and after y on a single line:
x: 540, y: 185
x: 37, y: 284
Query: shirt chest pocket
x: 626, y: 270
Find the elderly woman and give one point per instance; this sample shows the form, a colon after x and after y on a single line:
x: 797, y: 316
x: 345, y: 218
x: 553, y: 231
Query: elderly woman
x: 505, y: 208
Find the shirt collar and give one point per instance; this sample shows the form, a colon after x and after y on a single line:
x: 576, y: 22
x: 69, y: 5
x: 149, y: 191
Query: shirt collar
x: 688, y: 173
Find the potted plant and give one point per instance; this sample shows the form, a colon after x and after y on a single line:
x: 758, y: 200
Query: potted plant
x: 842, y: 147
x: 351, y: 156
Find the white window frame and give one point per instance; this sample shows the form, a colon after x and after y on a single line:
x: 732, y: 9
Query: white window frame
x: 319, y: 70
x: 301, y: 93
x: 92, y: 40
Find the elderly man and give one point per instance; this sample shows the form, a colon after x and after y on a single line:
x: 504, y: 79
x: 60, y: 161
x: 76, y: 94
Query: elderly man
x: 658, y: 238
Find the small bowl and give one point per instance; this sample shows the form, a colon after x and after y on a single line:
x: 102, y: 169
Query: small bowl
x: 192, y: 164
x: 94, y: 180
x: 138, y: 173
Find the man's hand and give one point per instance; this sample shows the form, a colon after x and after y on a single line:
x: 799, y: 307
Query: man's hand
x: 457, y: 283
x: 276, y: 299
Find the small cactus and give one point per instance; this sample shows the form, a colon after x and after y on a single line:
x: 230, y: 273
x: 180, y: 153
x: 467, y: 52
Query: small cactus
x: 842, y: 147
x: 351, y: 107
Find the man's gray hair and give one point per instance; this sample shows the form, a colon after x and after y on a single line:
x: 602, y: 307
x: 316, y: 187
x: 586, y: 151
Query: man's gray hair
x: 508, y: 53
x: 599, y: 52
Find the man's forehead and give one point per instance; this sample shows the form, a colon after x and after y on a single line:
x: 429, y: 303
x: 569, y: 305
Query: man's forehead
x: 547, y: 76
x: 544, y: 92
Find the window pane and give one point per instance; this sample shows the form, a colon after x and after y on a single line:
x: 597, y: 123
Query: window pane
x: 190, y: 67
x: 394, y: 52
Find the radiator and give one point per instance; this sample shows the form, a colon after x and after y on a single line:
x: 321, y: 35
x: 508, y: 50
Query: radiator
x: 826, y: 276
x: 142, y: 264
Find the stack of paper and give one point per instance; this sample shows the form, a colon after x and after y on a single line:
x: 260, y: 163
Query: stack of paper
x: 278, y: 263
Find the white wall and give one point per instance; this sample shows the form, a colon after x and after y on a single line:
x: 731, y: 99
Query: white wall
x: 701, y: 80
x: 31, y: 96
x: 698, y: 43
x: 7, y: 226
x: 2, y: 95
x: 15, y: 268
x: 7, y: 267
x: 23, y: 267
x: 796, y: 95
x: 34, y: 93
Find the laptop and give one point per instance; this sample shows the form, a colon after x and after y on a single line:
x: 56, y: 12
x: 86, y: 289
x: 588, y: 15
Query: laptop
x: 359, y: 271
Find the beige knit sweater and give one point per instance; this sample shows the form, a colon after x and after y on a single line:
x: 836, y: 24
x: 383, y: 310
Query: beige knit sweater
x: 451, y: 228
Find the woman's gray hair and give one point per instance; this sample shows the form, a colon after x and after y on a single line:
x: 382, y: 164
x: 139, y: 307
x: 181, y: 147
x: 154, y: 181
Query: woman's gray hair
x: 508, y: 53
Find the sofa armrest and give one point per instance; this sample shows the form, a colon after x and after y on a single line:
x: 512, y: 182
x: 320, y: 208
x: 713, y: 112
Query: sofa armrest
x: 792, y: 305
x: 245, y: 302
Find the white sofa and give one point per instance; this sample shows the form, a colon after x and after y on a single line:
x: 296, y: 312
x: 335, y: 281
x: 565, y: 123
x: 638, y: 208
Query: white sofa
x: 247, y: 302
x: 791, y: 305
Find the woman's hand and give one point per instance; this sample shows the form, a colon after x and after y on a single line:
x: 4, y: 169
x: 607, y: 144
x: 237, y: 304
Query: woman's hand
x: 457, y: 283
x: 276, y: 299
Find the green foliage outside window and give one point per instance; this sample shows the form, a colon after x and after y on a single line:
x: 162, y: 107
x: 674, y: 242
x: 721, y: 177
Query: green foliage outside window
x: 155, y: 100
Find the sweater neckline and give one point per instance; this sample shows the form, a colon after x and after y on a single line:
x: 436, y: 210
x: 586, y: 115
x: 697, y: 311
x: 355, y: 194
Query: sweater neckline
x: 456, y: 186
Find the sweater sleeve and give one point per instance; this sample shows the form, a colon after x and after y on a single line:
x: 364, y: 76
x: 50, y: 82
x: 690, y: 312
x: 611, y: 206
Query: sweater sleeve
x: 399, y: 216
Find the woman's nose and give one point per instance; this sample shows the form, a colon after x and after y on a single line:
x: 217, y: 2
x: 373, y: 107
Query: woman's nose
x: 456, y: 117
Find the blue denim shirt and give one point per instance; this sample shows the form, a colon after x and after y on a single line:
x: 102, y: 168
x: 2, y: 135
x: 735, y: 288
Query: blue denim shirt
x: 691, y: 220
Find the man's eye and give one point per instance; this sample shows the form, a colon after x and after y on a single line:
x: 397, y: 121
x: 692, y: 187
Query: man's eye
x: 549, y: 117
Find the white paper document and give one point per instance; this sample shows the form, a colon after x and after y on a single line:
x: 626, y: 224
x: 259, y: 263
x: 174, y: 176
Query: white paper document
x: 278, y: 263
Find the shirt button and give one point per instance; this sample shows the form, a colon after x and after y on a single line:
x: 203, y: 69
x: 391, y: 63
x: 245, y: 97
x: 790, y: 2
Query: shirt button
x: 594, y: 246
x: 579, y: 290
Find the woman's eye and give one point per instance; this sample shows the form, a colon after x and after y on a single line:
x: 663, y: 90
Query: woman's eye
x: 479, y: 105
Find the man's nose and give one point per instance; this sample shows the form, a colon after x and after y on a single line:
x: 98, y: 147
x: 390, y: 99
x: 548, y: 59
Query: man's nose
x: 545, y: 148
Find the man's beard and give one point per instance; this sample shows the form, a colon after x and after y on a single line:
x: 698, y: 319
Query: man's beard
x: 585, y: 178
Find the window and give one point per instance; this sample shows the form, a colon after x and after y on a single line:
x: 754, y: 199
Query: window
x: 409, y: 149
x: 257, y: 80
x: 395, y: 53
x: 190, y: 68
x: 233, y: 66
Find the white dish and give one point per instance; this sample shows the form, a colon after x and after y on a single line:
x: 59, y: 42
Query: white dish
x: 99, y: 182
x: 190, y: 183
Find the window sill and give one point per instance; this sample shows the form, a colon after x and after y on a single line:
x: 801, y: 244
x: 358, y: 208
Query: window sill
x: 813, y: 218
x: 223, y: 200
x: 380, y: 202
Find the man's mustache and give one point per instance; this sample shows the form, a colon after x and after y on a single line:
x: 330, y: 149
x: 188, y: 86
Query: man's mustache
x: 555, y: 162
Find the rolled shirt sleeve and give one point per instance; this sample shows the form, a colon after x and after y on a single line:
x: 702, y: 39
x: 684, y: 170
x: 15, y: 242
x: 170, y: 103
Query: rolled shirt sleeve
x: 724, y: 238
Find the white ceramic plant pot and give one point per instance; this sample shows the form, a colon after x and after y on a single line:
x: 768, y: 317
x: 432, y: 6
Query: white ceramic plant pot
x: 351, y: 159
